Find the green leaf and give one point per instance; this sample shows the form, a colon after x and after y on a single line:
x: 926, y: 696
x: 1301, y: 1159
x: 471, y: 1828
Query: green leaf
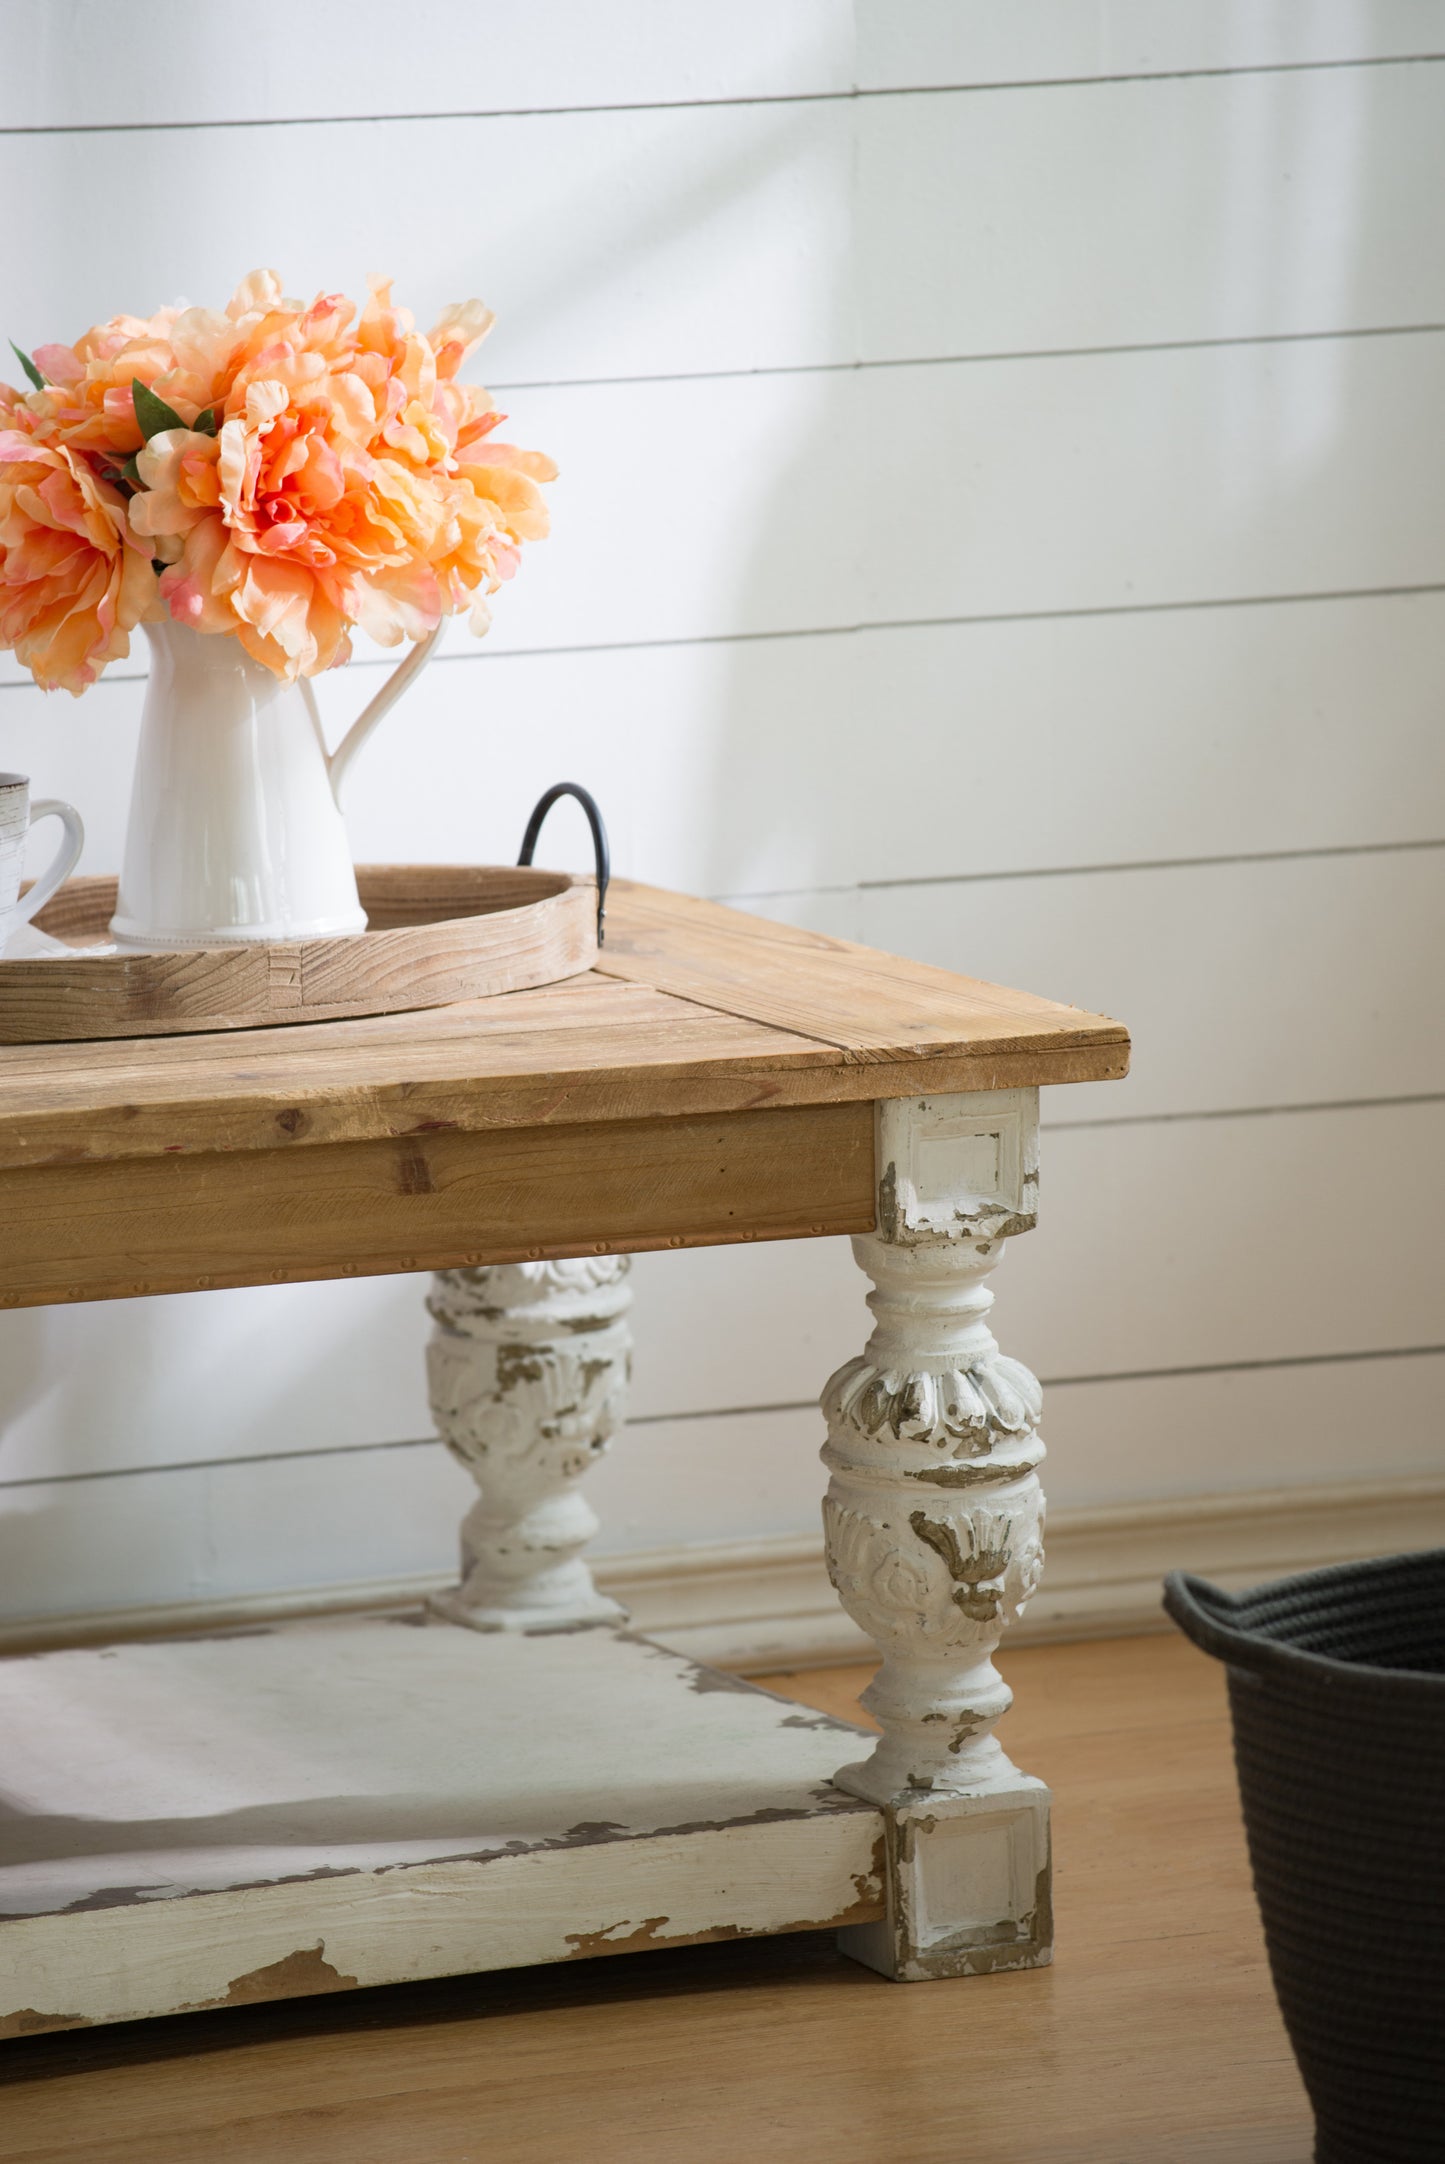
x: 130, y: 471
x: 152, y: 414
x: 205, y: 423
x: 37, y: 380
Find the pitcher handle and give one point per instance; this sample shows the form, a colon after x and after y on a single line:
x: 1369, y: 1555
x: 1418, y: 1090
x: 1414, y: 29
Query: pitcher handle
x: 338, y: 762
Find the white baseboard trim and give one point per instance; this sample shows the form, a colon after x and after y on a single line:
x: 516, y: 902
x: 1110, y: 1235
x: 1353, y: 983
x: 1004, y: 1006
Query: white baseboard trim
x: 767, y: 1604
x: 1106, y: 1564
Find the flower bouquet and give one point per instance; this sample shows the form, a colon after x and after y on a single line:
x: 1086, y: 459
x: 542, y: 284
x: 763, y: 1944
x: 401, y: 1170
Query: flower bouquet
x: 279, y: 473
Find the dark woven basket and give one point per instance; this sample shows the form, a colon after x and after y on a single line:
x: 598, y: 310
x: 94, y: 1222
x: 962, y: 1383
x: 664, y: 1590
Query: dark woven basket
x: 1337, y: 1690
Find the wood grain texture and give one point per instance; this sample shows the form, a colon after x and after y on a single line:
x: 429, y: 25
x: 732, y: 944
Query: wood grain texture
x: 586, y: 1049
x: 436, y: 933
x: 869, y: 1004
x: 1154, y: 2036
x: 430, y: 1201
x: 594, y: 1048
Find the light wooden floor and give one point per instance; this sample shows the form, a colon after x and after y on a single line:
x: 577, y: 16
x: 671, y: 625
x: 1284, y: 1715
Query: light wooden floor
x: 1152, y: 2040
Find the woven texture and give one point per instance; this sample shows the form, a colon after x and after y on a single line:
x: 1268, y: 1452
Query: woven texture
x: 1337, y: 1690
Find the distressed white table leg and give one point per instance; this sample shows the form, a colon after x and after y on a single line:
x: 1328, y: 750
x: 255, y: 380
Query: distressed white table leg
x: 934, y: 1520
x: 528, y: 1366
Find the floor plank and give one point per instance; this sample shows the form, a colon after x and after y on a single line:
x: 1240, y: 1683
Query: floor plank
x: 1153, y: 2037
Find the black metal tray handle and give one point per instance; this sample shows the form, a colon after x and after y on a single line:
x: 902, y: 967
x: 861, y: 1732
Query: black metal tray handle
x: 599, y: 838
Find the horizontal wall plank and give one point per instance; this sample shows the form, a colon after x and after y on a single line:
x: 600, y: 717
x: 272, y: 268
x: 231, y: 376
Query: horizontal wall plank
x: 1187, y: 1244
x: 1274, y: 204
x: 285, y: 1370
x: 1167, y: 1437
x: 229, y: 1529
x: 646, y: 243
x: 192, y: 1535
x: 1297, y: 981
x: 1181, y: 1244
x: 340, y: 57
x: 1189, y: 733
x: 379, y: 1524
x: 216, y: 1375
x: 1001, y: 487
x: 907, y: 42
x: 608, y: 243
x: 1058, y: 484
x: 336, y: 57
x: 1004, y: 487
x: 1198, y: 1243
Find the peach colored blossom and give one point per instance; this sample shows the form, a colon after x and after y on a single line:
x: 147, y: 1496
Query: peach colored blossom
x: 180, y: 484
x: 328, y: 527
x: 456, y: 333
x: 332, y: 471
x: 73, y: 586
x: 87, y: 401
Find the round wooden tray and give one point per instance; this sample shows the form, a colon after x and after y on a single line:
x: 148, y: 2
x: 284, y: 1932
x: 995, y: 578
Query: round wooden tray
x: 437, y: 932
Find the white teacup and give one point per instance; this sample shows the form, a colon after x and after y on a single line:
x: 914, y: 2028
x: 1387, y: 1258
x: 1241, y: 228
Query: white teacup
x: 16, y: 816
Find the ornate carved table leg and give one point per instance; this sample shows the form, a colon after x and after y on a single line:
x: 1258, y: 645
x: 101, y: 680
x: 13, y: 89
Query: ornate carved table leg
x: 528, y: 1366
x: 934, y: 1518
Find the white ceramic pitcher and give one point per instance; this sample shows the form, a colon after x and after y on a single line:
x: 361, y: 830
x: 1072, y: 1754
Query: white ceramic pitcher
x: 235, y: 833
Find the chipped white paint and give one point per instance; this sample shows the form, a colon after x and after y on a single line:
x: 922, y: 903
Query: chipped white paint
x: 968, y: 1886
x: 528, y: 1367
x: 350, y: 1803
x: 957, y: 1164
x: 934, y: 1530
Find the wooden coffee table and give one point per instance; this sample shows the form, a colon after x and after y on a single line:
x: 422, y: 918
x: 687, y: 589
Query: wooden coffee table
x: 348, y: 1802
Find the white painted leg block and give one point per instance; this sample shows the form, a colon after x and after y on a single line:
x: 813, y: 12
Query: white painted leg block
x: 968, y: 1887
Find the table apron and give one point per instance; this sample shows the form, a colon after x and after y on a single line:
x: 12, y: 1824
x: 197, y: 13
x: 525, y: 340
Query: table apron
x: 121, y: 1227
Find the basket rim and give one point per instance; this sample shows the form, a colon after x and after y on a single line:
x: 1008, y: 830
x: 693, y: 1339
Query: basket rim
x: 1212, y: 1618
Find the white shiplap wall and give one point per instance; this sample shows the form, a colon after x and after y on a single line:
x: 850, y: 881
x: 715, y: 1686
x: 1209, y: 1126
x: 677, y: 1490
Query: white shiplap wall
x: 1001, y: 520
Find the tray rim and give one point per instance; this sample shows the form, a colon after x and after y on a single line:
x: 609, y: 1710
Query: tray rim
x: 564, y: 882
x: 269, y: 988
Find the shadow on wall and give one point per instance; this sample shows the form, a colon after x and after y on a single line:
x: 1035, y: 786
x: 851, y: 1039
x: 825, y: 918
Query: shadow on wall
x: 1055, y: 486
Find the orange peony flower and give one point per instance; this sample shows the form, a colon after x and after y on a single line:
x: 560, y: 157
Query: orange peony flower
x: 73, y: 584
x: 295, y: 472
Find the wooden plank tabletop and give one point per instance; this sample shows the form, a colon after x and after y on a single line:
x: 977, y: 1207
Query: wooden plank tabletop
x: 693, y: 1008
x: 711, y: 1081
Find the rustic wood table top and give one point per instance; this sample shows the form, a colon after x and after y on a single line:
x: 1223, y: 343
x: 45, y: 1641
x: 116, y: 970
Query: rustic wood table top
x: 711, y: 1080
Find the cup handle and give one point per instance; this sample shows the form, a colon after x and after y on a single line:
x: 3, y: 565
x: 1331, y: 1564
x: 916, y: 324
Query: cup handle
x: 66, y: 858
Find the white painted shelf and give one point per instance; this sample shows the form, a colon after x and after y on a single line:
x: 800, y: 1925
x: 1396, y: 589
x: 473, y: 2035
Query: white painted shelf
x: 266, y: 1814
